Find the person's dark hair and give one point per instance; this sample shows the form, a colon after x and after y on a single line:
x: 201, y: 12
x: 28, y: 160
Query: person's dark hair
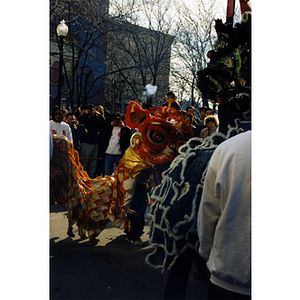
x: 90, y: 106
x: 189, y: 116
x: 116, y: 116
x: 209, y: 109
x: 55, y: 108
x: 192, y: 107
x: 203, y: 108
x: 70, y: 114
x: 76, y: 111
x: 171, y: 94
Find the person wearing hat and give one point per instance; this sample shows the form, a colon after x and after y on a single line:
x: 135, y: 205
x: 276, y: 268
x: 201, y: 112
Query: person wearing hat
x: 115, y: 141
x: 94, y: 123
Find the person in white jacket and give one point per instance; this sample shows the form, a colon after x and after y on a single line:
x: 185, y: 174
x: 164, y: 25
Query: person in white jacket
x: 224, y: 219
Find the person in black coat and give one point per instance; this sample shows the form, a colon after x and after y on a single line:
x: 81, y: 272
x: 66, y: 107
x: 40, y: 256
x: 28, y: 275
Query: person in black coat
x: 94, y: 123
x: 78, y: 130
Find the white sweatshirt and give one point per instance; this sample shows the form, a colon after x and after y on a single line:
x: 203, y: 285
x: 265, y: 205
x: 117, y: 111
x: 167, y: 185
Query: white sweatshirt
x: 113, y: 147
x: 61, y: 128
x: 224, y: 220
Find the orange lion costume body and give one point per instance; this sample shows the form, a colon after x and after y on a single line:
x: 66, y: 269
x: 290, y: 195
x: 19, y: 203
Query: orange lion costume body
x: 92, y: 203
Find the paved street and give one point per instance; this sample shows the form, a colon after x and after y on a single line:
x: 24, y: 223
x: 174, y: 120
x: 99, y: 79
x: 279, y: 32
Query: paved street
x: 113, y: 269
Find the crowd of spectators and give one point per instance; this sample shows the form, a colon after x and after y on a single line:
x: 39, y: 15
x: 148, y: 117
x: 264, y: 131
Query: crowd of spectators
x: 101, y: 137
x: 205, y: 125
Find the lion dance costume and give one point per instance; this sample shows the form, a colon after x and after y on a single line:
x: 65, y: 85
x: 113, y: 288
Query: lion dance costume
x: 173, y: 225
x: 92, y: 203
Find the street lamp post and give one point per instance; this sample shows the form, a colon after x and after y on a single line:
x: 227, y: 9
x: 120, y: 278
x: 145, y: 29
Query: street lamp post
x: 62, y: 31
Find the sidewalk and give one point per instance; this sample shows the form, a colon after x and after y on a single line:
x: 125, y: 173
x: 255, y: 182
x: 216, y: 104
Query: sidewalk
x: 113, y: 269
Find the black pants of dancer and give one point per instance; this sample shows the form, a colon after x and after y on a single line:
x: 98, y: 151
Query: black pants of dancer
x: 217, y: 293
x: 138, y: 204
x: 179, y: 274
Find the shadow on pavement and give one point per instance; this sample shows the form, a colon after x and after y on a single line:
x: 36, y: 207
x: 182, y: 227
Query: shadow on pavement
x: 111, y: 270
x: 114, y: 271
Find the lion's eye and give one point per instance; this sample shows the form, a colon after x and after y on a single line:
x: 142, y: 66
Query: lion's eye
x: 155, y: 137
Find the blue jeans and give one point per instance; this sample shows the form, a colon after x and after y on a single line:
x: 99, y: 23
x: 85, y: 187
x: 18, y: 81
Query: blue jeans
x: 110, y: 160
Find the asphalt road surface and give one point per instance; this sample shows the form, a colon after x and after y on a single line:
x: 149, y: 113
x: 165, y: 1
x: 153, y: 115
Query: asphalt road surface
x: 113, y: 269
